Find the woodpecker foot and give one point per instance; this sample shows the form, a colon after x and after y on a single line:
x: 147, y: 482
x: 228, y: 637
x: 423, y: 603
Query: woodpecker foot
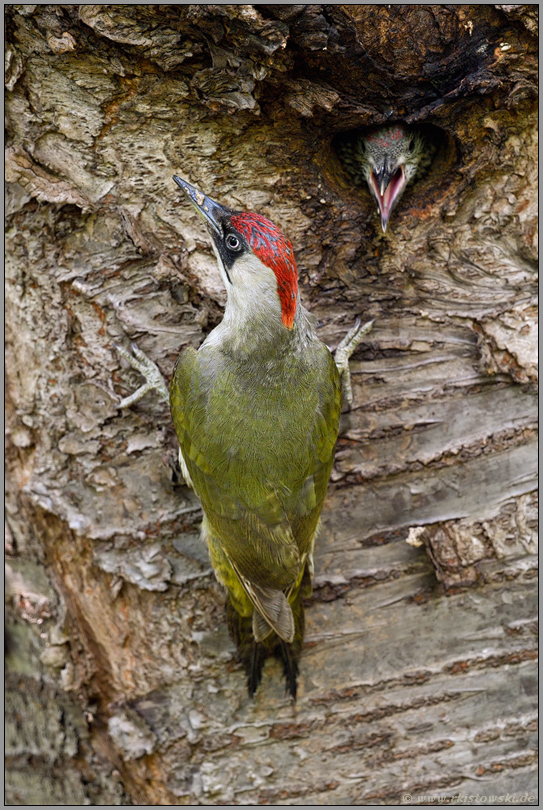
x: 346, y: 348
x: 154, y: 379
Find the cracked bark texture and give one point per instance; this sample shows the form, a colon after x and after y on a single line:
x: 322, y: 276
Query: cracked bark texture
x: 418, y: 674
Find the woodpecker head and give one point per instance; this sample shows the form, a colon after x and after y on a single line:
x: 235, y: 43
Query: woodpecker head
x: 255, y: 260
x: 388, y: 158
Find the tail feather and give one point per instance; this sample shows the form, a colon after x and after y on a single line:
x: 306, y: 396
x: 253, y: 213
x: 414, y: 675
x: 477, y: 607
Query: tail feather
x: 254, y: 672
x: 253, y: 653
x: 289, y: 659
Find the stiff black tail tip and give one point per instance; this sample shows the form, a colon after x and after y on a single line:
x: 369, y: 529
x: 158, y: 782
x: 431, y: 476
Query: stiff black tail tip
x: 285, y: 654
x: 253, y: 654
x: 253, y: 664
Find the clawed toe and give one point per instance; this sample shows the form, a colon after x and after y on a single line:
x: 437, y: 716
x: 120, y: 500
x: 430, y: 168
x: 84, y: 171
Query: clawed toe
x: 346, y: 348
x: 149, y: 370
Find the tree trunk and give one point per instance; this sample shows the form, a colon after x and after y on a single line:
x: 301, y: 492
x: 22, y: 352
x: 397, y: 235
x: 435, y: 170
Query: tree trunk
x: 418, y: 674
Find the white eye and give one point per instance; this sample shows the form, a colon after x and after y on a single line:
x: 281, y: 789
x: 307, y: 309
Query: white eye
x: 233, y: 242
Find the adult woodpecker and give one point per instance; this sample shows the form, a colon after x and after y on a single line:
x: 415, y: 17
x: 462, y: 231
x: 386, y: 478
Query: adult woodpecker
x: 387, y: 159
x: 256, y: 411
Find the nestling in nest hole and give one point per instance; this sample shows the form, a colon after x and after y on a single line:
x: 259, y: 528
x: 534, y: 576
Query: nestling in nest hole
x: 389, y: 158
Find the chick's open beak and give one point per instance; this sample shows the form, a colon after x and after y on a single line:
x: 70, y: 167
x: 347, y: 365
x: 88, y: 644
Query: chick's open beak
x: 387, y: 187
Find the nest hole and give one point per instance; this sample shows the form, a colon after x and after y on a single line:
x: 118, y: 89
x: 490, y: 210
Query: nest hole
x: 427, y: 189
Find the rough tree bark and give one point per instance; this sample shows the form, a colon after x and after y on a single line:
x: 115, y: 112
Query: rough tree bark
x: 418, y: 674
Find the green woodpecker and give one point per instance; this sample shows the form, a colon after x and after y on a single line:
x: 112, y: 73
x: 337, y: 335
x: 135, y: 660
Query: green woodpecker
x: 387, y: 159
x: 256, y: 410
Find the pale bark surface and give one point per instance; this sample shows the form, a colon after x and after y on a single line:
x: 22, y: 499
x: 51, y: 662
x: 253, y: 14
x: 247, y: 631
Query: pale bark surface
x: 419, y: 674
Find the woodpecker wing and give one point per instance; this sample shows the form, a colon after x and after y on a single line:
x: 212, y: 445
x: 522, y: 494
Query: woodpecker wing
x: 272, y: 610
x: 269, y: 607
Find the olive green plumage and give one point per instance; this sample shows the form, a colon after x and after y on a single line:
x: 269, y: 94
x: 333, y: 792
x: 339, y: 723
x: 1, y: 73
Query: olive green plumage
x: 257, y: 434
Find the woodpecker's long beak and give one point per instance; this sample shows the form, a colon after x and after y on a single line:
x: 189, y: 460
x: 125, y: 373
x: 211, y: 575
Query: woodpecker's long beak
x: 387, y: 186
x: 211, y: 212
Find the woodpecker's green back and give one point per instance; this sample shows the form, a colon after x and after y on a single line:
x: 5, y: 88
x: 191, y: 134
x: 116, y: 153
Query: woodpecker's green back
x: 259, y: 450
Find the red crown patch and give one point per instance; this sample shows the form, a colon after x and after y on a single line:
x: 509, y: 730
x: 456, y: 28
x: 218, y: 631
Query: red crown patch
x: 275, y: 251
x: 386, y: 136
